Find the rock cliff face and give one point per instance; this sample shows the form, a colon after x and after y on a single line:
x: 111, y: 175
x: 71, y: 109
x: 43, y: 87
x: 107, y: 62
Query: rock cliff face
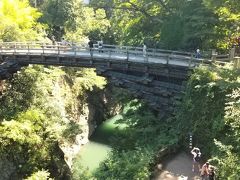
x: 85, y: 111
x: 88, y: 123
x: 76, y: 110
x: 98, y: 106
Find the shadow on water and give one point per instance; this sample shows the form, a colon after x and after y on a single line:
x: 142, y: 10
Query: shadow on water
x: 94, y: 152
x: 107, y: 130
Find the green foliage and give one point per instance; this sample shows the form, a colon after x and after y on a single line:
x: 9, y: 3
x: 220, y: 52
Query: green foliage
x: 19, y: 93
x: 33, y: 116
x: 19, y: 21
x: 71, y: 131
x: 26, y: 134
x: 39, y: 175
x: 226, y: 159
x: 194, y: 116
x: 228, y: 15
x: 71, y: 19
x: 135, y: 147
x: 81, y: 81
x: 232, y: 118
x: 172, y: 32
x: 80, y: 172
x: 172, y: 24
x: 55, y: 15
x: 226, y: 153
x: 211, y: 110
x: 89, y: 22
x: 126, y: 165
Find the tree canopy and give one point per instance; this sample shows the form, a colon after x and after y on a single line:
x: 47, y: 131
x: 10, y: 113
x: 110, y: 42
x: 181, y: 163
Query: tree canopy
x: 19, y: 21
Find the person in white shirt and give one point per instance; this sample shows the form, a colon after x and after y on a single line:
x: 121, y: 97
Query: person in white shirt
x: 144, y: 51
x: 196, y: 158
x: 100, y: 46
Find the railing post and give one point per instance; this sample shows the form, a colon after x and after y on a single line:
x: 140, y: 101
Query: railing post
x: 58, y: 50
x: 75, y: 50
x: 232, y: 54
x: 190, y: 61
x: 15, y: 47
x: 168, y: 58
x: 236, y: 62
x: 214, y: 55
x: 28, y: 47
x: 146, y: 57
x: 43, y: 48
x: 109, y: 54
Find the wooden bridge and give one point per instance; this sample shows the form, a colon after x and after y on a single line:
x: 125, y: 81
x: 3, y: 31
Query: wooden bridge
x: 156, y: 76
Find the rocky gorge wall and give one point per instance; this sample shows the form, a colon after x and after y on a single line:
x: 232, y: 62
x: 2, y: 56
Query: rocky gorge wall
x: 77, y: 104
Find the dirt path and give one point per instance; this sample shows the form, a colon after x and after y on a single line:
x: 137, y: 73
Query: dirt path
x: 178, y: 167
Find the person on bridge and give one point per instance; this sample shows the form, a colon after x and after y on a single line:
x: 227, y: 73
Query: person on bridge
x: 144, y: 51
x: 90, y: 44
x: 198, y: 54
x: 205, y: 171
x: 63, y: 42
x: 196, y: 158
x: 53, y: 40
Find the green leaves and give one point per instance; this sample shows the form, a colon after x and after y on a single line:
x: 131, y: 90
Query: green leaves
x: 40, y: 175
x: 211, y: 110
x: 126, y: 165
x: 71, y: 19
x: 39, y: 108
x: 23, y: 141
x: 19, y: 21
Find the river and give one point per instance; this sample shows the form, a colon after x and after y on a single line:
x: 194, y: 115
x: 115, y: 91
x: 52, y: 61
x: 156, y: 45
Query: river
x: 99, y: 145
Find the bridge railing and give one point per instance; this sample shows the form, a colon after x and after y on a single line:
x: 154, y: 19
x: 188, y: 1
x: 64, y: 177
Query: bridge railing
x: 107, y: 51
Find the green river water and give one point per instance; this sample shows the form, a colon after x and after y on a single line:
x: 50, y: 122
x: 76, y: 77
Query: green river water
x: 99, y: 145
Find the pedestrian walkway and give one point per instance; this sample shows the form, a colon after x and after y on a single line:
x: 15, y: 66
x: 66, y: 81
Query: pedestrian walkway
x: 178, y: 167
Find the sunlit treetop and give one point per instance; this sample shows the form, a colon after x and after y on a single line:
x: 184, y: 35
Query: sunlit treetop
x: 18, y: 21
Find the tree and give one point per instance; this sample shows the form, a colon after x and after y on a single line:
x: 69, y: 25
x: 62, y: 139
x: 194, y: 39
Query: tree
x: 229, y: 27
x: 71, y: 19
x: 56, y: 13
x: 19, y: 21
x: 39, y: 175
